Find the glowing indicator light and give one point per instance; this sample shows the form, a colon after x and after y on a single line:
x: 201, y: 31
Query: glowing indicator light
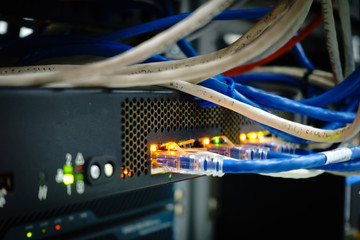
x: 261, y: 134
x: 206, y: 141
x: 216, y: 140
x: 252, y: 136
x: 170, y: 177
x: 43, y: 230
x: 68, y: 169
x: 108, y: 169
x: 152, y: 148
x: 68, y: 179
x: 243, y: 137
x: 57, y: 227
x: 29, y: 234
x: 126, y: 171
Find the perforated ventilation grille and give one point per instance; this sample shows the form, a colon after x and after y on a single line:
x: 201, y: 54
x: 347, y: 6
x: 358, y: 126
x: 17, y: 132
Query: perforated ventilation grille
x: 141, y: 116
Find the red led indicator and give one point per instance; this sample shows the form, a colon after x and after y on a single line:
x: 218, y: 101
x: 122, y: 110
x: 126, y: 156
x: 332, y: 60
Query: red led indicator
x: 57, y: 227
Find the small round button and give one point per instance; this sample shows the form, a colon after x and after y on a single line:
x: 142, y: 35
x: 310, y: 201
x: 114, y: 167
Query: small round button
x: 108, y: 169
x: 94, y: 171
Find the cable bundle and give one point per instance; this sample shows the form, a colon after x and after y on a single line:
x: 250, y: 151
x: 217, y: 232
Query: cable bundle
x: 277, y: 31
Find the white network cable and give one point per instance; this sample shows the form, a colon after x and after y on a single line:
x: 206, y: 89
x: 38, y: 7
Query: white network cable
x: 261, y: 116
x: 249, y: 36
x: 345, y: 21
x: 256, y: 30
x: 296, y: 174
x: 283, y: 30
x: 37, y: 69
x: 332, y: 43
x: 317, y: 77
x: 156, y: 44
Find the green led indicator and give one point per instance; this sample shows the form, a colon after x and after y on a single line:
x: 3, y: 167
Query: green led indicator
x: 79, y: 177
x: 29, y: 234
x: 68, y: 169
x: 216, y: 140
x: 170, y: 176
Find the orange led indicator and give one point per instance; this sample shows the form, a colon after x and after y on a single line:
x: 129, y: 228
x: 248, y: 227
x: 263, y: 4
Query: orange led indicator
x: 243, y: 137
x: 152, y: 148
x: 57, y: 227
x: 206, y: 141
x: 126, y: 171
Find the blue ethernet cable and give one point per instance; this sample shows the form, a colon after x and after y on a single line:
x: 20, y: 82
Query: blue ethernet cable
x: 248, y: 78
x: 349, y: 86
x: 28, y: 43
x: 345, y: 159
x: 186, y: 48
x: 287, y: 164
x: 275, y: 101
x: 350, y: 107
x: 281, y: 103
x: 220, y: 85
x: 171, y: 20
x: 90, y: 49
x: 63, y: 46
x: 274, y: 154
x: 301, y: 56
x: 306, y: 88
x: 349, y: 166
x: 41, y: 41
x: 183, y: 44
x: 22, y: 45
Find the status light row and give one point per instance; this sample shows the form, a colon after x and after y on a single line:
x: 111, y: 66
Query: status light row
x: 43, y: 231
